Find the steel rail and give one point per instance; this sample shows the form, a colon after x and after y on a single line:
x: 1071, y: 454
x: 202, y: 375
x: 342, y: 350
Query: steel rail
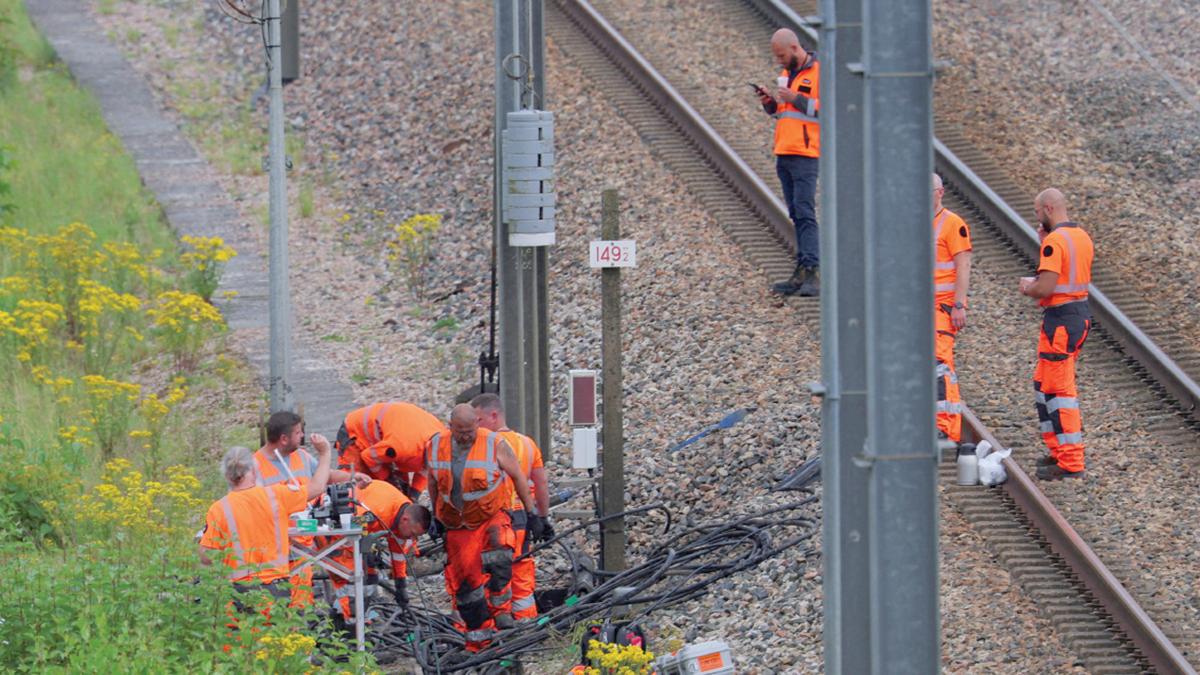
x: 1135, y: 342
x: 1129, y: 616
x: 1131, y: 619
x: 1132, y: 339
x: 732, y: 168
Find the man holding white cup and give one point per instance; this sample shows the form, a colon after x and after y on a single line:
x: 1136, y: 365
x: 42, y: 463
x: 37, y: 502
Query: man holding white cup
x: 795, y: 106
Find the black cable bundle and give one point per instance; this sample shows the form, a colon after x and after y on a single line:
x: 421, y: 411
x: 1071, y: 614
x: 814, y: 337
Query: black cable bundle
x: 681, y: 569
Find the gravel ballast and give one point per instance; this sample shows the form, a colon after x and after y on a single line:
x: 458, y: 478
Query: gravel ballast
x: 396, y: 110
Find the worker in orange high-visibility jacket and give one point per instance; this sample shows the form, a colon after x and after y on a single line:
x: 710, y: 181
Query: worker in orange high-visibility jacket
x: 249, y: 525
x: 796, y: 106
x: 528, y: 528
x: 1061, y: 288
x: 283, y: 460
x: 387, y: 442
x: 385, y: 509
x: 471, y: 496
x: 951, y: 276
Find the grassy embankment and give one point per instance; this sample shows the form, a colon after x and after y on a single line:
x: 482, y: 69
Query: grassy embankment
x: 115, y: 396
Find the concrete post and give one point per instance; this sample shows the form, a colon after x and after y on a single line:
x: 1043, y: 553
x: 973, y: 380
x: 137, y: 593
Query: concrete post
x: 523, y: 315
x: 901, y: 449
x: 843, y: 342
x: 280, y: 294
x: 612, y: 486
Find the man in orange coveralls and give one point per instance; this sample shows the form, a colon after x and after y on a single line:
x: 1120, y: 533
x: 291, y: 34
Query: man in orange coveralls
x: 527, y: 527
x: 386, y: 510
x: 387, y: 442
x: 1061, y: 288
x: 250, y: 523
x: 471, y: 496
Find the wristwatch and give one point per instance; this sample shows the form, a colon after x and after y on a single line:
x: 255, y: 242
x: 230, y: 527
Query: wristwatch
x: 959, y: 305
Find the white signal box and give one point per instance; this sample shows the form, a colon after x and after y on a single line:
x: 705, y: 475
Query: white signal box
x: 582, y: 409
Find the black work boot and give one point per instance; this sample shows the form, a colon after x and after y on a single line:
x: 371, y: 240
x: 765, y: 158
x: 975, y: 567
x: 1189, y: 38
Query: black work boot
x: 1056, y: 472
x: 1047, y: 460
x: 811, y: 287
x: 792, y: 285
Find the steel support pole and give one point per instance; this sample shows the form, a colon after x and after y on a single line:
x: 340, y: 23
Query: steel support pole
x: 280, y: 297
x: 360, y: 609
x: 901, y: 447
x: 843, y: 342
x: 522, y: 292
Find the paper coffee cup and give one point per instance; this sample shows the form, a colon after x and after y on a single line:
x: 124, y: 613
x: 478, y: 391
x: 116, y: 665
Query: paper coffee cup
x: 782, y: 81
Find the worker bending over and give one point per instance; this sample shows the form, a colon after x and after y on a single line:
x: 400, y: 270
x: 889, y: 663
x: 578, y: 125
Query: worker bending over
x: 951, y: 275
x: 282, y: 459
x: 1061, y: 287
x: 387, y: 441
x: 528, y: 527
x: 470, y: 497
x: 384, y: 509
x: 250, y: 523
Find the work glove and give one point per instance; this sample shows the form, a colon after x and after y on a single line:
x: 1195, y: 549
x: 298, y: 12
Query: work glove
x: 539, y: 528
x: 436, y: 529
x: 400, y: 591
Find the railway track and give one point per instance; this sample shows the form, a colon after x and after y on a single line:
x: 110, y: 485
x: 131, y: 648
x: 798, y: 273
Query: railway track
x: 1099, y: 618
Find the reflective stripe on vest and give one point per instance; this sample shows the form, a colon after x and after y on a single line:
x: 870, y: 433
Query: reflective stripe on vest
x: 1073, y: 285
x: 305, y: 471
x: 796, y: 115
x: 374, y: 433
x: 239, y: 553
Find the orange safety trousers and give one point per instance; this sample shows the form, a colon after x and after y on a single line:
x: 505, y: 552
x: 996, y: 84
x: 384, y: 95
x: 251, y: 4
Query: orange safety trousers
x: 479, y: 576
x: 949, y: 402
x: 524, y: 574
x: 1064, y: 329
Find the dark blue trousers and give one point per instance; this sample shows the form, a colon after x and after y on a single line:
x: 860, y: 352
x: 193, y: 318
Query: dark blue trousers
x: 799, y: 177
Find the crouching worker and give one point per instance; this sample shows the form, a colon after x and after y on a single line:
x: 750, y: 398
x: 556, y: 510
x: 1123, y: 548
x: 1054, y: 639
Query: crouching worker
x: 249, y: 526
x: 387, y: 442
x: 384, y: 509
x: 471, y: 497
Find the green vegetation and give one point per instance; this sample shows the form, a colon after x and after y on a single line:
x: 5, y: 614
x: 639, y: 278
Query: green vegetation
x: 114, y: 397
x: 71, y: 168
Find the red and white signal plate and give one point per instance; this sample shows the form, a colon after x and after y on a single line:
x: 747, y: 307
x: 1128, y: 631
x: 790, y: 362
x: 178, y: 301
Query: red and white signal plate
x: 613, y: 253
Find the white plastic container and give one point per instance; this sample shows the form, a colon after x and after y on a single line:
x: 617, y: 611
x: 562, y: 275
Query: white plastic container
x: 968, y: 464
x: 781, y: 81
x: 706, y: 658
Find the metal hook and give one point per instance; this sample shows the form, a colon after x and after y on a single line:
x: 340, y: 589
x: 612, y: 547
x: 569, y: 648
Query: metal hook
x: 519, y: 59
x: 524, y: 76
